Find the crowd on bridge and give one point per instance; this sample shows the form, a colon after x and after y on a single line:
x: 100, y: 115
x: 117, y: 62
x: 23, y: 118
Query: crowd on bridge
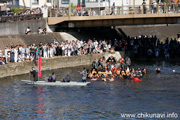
x: 23, y: 12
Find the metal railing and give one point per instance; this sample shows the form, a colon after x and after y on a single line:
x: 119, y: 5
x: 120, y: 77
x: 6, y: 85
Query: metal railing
x: 20, y: 17
x: 117, y: 10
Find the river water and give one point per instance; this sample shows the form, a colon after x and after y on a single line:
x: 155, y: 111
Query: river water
x: 157, y: 93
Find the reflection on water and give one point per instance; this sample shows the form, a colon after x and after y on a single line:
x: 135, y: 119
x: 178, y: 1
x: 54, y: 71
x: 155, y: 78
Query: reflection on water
x: 157, y: 93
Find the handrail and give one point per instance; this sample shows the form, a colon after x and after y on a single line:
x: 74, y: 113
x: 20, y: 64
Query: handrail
x: 117, y: 10
x: 20, y: 17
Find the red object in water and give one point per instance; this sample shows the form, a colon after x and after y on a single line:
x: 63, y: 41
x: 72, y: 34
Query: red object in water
x: 39, y: 71
x: 136, y: 79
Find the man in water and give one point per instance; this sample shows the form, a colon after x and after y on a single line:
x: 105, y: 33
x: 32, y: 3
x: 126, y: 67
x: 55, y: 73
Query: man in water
x: 84, y: 75
x: 94, y: 66
x: 52, y: 78
x: 128, y: 61
x: 108, y: 68
x: 100, y: 60
x: 34, y: 73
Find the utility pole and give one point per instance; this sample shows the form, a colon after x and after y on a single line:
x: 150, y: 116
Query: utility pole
x: 69, y: 7
x: 24, y: 4
x: 109, y: 6
x: 30, y: 4
x: 122, y: 6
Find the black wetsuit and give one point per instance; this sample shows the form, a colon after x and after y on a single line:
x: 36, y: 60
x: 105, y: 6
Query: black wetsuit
x: 35, y: 76
x: 123, y: 66
x: 108, y: 67
x: 100, y: 63
x: 94, y: 66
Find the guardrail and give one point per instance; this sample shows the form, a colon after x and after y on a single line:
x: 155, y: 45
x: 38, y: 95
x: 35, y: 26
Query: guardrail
x: 20, y: 17
x: 117, y: 10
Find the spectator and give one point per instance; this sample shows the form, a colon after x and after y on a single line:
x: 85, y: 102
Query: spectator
x: 40, y: 31
x: 28, y: 31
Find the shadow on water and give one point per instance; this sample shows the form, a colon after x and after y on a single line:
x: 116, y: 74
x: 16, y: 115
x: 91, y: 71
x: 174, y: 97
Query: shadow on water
x: 157, y: 93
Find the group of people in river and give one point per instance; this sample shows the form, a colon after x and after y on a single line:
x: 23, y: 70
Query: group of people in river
x: 109, y: 72
x: 112, y: 71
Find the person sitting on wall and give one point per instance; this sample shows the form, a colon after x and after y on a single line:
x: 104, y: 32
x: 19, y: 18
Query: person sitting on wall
x: 44, y: 31
x: 28, y: 30
x: 40, y: 31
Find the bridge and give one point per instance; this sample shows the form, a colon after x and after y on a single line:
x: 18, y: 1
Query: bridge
x: 120, y: 15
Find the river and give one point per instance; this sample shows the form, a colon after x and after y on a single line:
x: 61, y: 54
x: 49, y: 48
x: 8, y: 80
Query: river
x: 157, y: 93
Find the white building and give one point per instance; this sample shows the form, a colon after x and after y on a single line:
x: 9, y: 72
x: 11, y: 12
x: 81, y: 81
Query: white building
x: 33, y: 3
x: 100, y: 3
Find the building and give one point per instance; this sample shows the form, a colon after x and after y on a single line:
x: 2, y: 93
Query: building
x: 100, y: 3
x: 33, y: 3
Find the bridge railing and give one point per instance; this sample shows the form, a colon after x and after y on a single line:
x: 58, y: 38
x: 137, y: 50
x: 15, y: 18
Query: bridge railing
x: 117, y: 10
x: 21, y: 17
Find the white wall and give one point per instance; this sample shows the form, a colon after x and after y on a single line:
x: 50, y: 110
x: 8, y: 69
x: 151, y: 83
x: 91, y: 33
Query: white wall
x: 41, y: 3
x: 138, y: 2
x: 67, y: 5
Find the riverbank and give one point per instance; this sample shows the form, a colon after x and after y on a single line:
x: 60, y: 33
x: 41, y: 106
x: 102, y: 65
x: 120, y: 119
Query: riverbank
x: 13, y: 69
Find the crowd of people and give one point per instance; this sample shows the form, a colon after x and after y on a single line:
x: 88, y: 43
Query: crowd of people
x: 151, y: 47
x: 109, y: 71
x: 24, y: 12
x: 146, y: 46
x: 20, y: 53
x: 112, y: 71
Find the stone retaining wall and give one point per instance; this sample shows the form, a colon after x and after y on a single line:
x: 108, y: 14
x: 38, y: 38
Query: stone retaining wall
x: 12, y: 69
x: 52, y: 63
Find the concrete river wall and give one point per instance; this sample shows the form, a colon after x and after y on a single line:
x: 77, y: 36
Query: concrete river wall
x: 12, y: 69
x: 14, y: 28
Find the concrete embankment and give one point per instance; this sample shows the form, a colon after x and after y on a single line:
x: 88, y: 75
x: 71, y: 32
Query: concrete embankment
x: 52, y: 63
x: 162, y: 32
x: 14, y: 28
x: 22, y: 39
x: 12, y: 69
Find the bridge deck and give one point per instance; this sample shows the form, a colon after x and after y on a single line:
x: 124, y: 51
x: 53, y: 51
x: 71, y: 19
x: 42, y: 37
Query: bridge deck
x: 56, y: 20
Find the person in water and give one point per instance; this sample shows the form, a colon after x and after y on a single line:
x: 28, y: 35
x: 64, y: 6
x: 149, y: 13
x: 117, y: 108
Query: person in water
x: 108, y: 68
x: 84, y: 75
x: 158, y: 70
x: 103, y: 77
x: 67, y: 78
x: 34, y: 73
x: 94, y: 77
x: 52, y: 78
x: 111, y: 78
x: 100, y: 60
x: 94, y: 66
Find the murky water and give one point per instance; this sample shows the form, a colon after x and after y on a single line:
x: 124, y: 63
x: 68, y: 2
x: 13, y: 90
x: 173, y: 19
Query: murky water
x: 157, y: 93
